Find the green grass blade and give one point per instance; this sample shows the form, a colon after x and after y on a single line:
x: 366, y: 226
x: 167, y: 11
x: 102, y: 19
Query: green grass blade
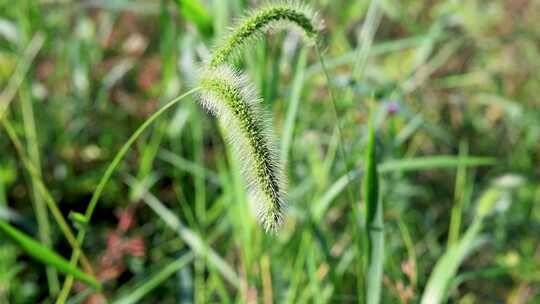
x: 189, y: 166
x: 40, y: 207
x: 446, y: 267
x: 459, y: 197
x: 135, y: 295
x: 434, y: 162
x: 51, y: 203
x: 323, y: 203
x: 365, y: 39
x: 18, y: 76
x: 107, y: 176
x: 374, y: 222
x: 292, y: 111
x: 192, y: 239
x: 194, y: 12
x: 46, y: 255
x: 413, y: 164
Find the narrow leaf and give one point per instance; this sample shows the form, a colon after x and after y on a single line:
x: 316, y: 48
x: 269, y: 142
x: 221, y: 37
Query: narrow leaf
x: 374, y: 222
x: 135, y: 294
x: 447, y: 266
x: 46, y: 255
x: 434, y: 162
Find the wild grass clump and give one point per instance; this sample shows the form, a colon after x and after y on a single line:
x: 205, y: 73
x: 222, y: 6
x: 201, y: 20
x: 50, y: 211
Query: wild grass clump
x: 229, y: 95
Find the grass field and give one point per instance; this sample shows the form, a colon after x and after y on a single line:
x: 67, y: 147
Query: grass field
x: 409, y: 133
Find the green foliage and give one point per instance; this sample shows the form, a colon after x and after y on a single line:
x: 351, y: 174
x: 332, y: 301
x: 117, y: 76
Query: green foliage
x: 194, y: 12
x: 46, y: 255
x: 156, y: 199
x: 374, y: 222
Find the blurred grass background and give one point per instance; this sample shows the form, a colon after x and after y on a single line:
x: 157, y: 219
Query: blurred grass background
x: 448, y: 78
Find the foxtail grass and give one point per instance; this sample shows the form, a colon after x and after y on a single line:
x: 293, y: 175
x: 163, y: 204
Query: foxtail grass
x: 230, y: 96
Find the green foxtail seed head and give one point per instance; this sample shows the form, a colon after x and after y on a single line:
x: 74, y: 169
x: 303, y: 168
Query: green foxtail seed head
x: 262, y: 20
x: 228, y: 95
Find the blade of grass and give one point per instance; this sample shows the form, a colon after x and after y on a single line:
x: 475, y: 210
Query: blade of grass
x: 355, y: 215
x: 154, y: 280
x: 374, y: 221
x: 434, y: 162
x: 190, y: 237
x: 294, y: 102
x: 446, y: 267
x: 5, y: 98
x: 365, y: 39
x: 200, y: 208
x: 45, y: 255
x: 409, y: 244
x: 8, y: 256
x: 18, y: 76
x: 459, y: 197
x: 189, y: 166
x: 412, y: 164
x: 378, y: 49
x: 40, y: 208
x: 105, y: 178
x: 323, y: 203
x: 168, y: 52
x: 424, y: 71
x: 51, y: 203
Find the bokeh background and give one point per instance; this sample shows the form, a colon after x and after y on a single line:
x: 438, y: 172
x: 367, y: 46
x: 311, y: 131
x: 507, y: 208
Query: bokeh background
x: 446, y: 78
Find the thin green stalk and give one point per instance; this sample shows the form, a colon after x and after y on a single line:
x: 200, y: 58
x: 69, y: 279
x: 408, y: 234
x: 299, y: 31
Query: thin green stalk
x: 338, y: 126
x: 45, y: 255
x: 168, y: 51
x: 459, y: 197
x: 374, y: 221
x: 190, y: 237
x: 445, y: 269
x: 8, y: 257
x: 138, y: 293
x: 406, y: 165
x: 356, y: 213
x: 51, y: 203
x: 294, y: 103
x: 409, y: 244
x: 365, y: 39
x: 200, y: 290
x: 40, y: 207
x: 105, y: 179
x: 18, y: 76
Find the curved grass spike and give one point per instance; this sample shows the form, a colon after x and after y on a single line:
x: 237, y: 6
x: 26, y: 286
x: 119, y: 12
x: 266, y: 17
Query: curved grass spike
x: 228, y: 95
x: 259, y: 22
